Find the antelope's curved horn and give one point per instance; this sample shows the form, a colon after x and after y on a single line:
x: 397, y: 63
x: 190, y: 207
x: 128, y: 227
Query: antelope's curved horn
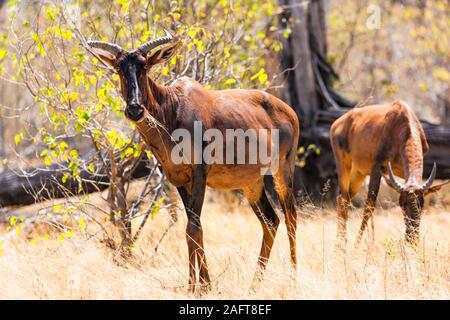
x: 398, y: 186
x: 109, y: 47
x: 429, y: 182
x: 149, y: 45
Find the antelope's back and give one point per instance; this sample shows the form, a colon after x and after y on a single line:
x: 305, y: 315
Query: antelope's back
x: 236, y: 108
x: 375, y: 131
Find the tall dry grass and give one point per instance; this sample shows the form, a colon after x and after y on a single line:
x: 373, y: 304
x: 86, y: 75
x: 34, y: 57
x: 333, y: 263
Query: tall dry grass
x: 77, y: 268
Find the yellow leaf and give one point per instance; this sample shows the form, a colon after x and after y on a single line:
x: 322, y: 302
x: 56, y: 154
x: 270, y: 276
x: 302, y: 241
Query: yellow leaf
x: 261, y: 75
x: 47, y: 161
x: 257, y: 74
x: 81, y: 224
x: 17, y: 138
x: 35, y: 240
x: 226, y: 51
x: 441, y: 74
x: 230, y: 81
x: 3, y: 53
x: 423, y: 86
x: 73, y: 96
x: 262, y: 78
x: 200, y: 46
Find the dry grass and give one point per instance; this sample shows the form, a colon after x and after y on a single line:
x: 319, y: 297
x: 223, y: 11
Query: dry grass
x: 83, y: 269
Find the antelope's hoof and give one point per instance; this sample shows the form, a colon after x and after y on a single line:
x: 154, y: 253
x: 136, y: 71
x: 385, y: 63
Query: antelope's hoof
x: 341, y: 243
x: 205, y: 288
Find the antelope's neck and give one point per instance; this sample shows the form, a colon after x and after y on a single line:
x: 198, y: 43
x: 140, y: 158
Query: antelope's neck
x: 157, y: 125
x: 412, y: 155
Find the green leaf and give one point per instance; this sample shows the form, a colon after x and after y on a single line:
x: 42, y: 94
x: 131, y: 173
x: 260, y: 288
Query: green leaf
x: 82, y: 115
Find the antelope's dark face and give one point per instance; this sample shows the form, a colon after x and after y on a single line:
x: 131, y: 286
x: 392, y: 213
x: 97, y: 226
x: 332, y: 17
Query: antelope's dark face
x: 412, y: 199
x: 132, y: 67
x: 132, y: 71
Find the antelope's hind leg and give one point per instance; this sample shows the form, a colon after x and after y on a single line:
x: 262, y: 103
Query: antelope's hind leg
x: 269, y: 221
x: 350, y: 183
x: 343, y: 199
x: 284, y: 187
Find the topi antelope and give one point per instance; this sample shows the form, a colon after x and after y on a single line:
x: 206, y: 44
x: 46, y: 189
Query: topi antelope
x: 159, y: 110
x: 371, y: 140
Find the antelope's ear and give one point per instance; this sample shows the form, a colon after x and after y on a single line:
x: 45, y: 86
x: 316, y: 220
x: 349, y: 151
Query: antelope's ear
x: 436, y: 188
x: 105, y: 56
x: 106, y: 51
x: 162, y: 53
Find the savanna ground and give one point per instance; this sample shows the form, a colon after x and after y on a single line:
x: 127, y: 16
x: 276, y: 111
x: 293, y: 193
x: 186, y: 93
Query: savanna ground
x: 80, y: 268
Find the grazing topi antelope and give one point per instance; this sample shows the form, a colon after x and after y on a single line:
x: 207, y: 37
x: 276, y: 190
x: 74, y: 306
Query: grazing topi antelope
x: 159, y: 110
x: 371, y: 140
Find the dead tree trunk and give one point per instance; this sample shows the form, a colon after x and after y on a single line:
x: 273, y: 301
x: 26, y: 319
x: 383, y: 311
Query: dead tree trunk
x: 308, y: 89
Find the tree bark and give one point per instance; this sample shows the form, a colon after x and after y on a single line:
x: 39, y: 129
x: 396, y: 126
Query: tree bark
x: 308, y: 89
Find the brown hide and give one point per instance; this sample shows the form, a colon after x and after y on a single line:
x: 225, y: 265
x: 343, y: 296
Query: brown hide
x: 364, y: 142
x: 186, y: 101
x: 381, y: 133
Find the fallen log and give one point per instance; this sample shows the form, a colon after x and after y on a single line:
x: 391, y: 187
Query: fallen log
x: 35, y: 184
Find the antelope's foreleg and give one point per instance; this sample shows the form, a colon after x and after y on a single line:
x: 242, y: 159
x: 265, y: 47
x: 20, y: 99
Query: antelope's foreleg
x: 369, y: 208
x: 193, y: 202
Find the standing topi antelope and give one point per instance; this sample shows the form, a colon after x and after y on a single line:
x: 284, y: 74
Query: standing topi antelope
x: 181, y: 104
x: 371, y: 140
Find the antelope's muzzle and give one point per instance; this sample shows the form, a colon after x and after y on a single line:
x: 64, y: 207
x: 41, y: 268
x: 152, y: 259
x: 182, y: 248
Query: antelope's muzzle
x: 412, y: 226
x: 134, y: 112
